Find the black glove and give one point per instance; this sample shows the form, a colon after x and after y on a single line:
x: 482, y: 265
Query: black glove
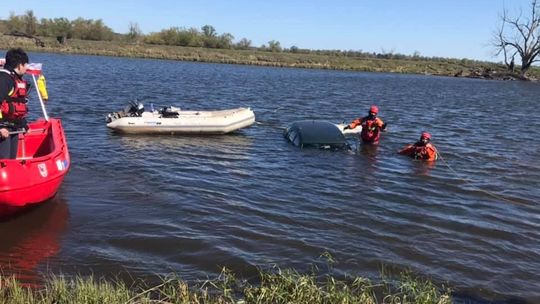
x: 347, y: 127
x: 383, y: 127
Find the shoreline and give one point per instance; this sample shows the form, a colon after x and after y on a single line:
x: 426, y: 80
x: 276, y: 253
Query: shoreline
x: 436, y: 67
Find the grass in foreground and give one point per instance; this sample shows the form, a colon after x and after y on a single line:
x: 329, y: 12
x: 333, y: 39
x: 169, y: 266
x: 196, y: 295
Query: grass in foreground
x: 278, y: 286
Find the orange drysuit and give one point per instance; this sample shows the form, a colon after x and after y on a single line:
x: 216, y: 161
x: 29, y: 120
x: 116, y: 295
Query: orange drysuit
x: 421, y: 151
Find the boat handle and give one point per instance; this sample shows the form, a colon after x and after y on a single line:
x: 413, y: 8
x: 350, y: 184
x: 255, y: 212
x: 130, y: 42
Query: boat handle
x: 16, y: 132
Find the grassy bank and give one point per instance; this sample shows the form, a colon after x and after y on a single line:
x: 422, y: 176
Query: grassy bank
x: 272, y: 287
x: 446, y: 67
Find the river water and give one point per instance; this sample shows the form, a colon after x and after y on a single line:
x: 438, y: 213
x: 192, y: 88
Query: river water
x: 151, y: 205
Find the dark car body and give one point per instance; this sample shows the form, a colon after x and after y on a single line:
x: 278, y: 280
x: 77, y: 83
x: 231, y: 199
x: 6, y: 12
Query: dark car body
x: 315, y: 133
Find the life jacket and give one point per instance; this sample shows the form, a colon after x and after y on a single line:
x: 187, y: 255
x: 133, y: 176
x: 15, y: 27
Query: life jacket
x: 14, y: 106
x: 424, y: 152
x: 371, y: 129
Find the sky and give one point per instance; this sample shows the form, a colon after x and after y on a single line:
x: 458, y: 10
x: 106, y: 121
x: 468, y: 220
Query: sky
x: 433, y: 28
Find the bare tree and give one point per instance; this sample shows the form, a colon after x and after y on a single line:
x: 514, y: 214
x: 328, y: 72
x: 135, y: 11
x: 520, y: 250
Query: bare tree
x: 519, y: 36
x: 134, y: 32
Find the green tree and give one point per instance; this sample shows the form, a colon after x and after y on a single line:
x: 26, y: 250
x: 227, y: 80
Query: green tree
x: 190, y: 37
x: 15, y: 23
x: 274, y: 46
x: 209, y: 31
x: 243, y: 44
x: 30, y: 23
x: 61, y: 27
x: 91, y: 30
x: 99, y: 31
x: 195, y: 37
x: 80, y: 28
x: 154, y: 38
x: 170, y: 36
x: 44, y: 27
x: 224, y: 41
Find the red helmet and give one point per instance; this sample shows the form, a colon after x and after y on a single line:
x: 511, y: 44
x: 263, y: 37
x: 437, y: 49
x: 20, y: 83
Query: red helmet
x: 374, y: 109
x: 425, y: 135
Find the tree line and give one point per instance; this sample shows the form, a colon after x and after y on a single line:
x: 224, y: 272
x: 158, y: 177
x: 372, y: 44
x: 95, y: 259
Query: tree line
x: 80, y: 28
x: 64, y: 29
x: 90, y: 29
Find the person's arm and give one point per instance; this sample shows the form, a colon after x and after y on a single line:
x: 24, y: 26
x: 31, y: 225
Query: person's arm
x: 408, y: 150
x: 6, y: 85
x: 431, y: 153
x: 380, y: 124
x: 355, y: 123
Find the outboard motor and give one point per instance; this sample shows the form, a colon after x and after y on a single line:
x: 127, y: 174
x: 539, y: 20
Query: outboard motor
x: 134, y: 109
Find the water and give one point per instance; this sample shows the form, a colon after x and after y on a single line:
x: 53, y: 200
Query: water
x: 151, y: 205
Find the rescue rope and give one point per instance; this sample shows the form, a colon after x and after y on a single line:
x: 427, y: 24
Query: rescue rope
x: 271, y: 125
x: 277, y: 109
x: 490, y: 193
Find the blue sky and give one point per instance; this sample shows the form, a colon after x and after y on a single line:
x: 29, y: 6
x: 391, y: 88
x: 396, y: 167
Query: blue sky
x: 443, y: 28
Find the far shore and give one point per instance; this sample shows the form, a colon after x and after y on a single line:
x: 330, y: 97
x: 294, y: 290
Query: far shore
x: 438, y: 67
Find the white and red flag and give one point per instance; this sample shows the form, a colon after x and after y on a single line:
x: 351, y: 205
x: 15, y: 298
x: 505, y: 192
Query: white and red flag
x: 34, y: 69
x: 31, y: 68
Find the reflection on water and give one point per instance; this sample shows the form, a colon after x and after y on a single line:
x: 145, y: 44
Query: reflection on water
x: 229, y: 143
x: 31, y: 238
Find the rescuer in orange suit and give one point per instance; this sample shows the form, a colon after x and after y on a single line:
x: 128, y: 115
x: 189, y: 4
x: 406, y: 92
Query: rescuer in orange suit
x: 422, y: 149
x: 371, y: 126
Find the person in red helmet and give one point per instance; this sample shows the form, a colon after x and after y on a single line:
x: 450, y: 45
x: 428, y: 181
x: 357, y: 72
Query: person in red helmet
x: 422, y: 149
x: 371, y: 126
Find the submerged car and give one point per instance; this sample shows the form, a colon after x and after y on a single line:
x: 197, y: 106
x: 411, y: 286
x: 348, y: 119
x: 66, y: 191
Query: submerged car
x: 317, y: 134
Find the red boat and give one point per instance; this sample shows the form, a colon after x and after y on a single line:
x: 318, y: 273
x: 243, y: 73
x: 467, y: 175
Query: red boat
x: 41, y: 164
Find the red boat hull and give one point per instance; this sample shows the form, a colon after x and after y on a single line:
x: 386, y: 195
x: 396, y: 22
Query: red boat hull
x: 41, y: 164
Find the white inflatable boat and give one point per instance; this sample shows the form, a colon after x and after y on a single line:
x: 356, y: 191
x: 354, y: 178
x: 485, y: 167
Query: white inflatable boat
x: 171, y: 120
